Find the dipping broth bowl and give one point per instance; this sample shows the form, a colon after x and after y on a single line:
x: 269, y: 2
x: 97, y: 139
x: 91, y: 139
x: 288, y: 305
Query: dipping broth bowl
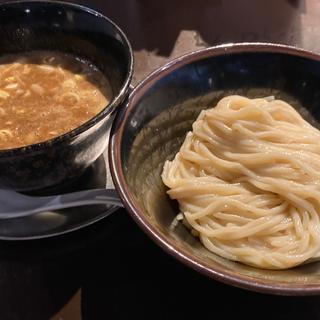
x: 87, y: 34
x: 151, y: 127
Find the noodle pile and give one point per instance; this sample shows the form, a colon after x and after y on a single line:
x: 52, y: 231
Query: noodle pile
x: 247, y: 179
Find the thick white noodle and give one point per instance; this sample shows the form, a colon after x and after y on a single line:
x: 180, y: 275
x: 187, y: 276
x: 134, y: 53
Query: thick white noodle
x: 247, y: 179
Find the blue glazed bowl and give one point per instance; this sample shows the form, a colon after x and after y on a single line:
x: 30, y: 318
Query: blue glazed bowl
x: 69, y: 28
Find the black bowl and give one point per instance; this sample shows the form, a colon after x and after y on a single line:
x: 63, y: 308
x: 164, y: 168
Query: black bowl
x: 153, y: 124
x: 68, y: 28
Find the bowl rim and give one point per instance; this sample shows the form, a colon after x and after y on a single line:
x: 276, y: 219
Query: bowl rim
x: 132, y: 206
x: 108, y: 109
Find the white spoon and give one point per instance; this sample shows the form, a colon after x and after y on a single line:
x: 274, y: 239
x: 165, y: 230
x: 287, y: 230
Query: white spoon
x: 15, y: 205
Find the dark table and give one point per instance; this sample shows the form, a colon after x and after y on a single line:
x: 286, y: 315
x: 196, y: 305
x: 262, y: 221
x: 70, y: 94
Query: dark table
x: 112, y: 270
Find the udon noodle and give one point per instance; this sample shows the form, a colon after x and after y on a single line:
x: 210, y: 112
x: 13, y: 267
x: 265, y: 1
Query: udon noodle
x: 247, y: 179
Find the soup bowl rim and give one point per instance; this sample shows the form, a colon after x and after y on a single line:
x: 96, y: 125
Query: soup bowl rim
x: 107, y: 110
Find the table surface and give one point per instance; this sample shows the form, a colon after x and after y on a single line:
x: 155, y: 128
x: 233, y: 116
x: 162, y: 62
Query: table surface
x: 112, y: 270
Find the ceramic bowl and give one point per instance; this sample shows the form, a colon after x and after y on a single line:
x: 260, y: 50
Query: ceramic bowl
x: 68, y: 28
x: 150, y: 128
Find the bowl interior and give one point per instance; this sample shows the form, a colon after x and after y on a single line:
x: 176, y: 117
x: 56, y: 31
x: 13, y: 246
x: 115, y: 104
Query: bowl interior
x: 155, y: 122
x: 41, y: 25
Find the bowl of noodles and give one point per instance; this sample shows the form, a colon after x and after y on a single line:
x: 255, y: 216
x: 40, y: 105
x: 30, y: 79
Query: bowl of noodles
x: 216, y: 156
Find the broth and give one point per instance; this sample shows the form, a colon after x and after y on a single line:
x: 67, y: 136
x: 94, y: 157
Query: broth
x: 46, y: 94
